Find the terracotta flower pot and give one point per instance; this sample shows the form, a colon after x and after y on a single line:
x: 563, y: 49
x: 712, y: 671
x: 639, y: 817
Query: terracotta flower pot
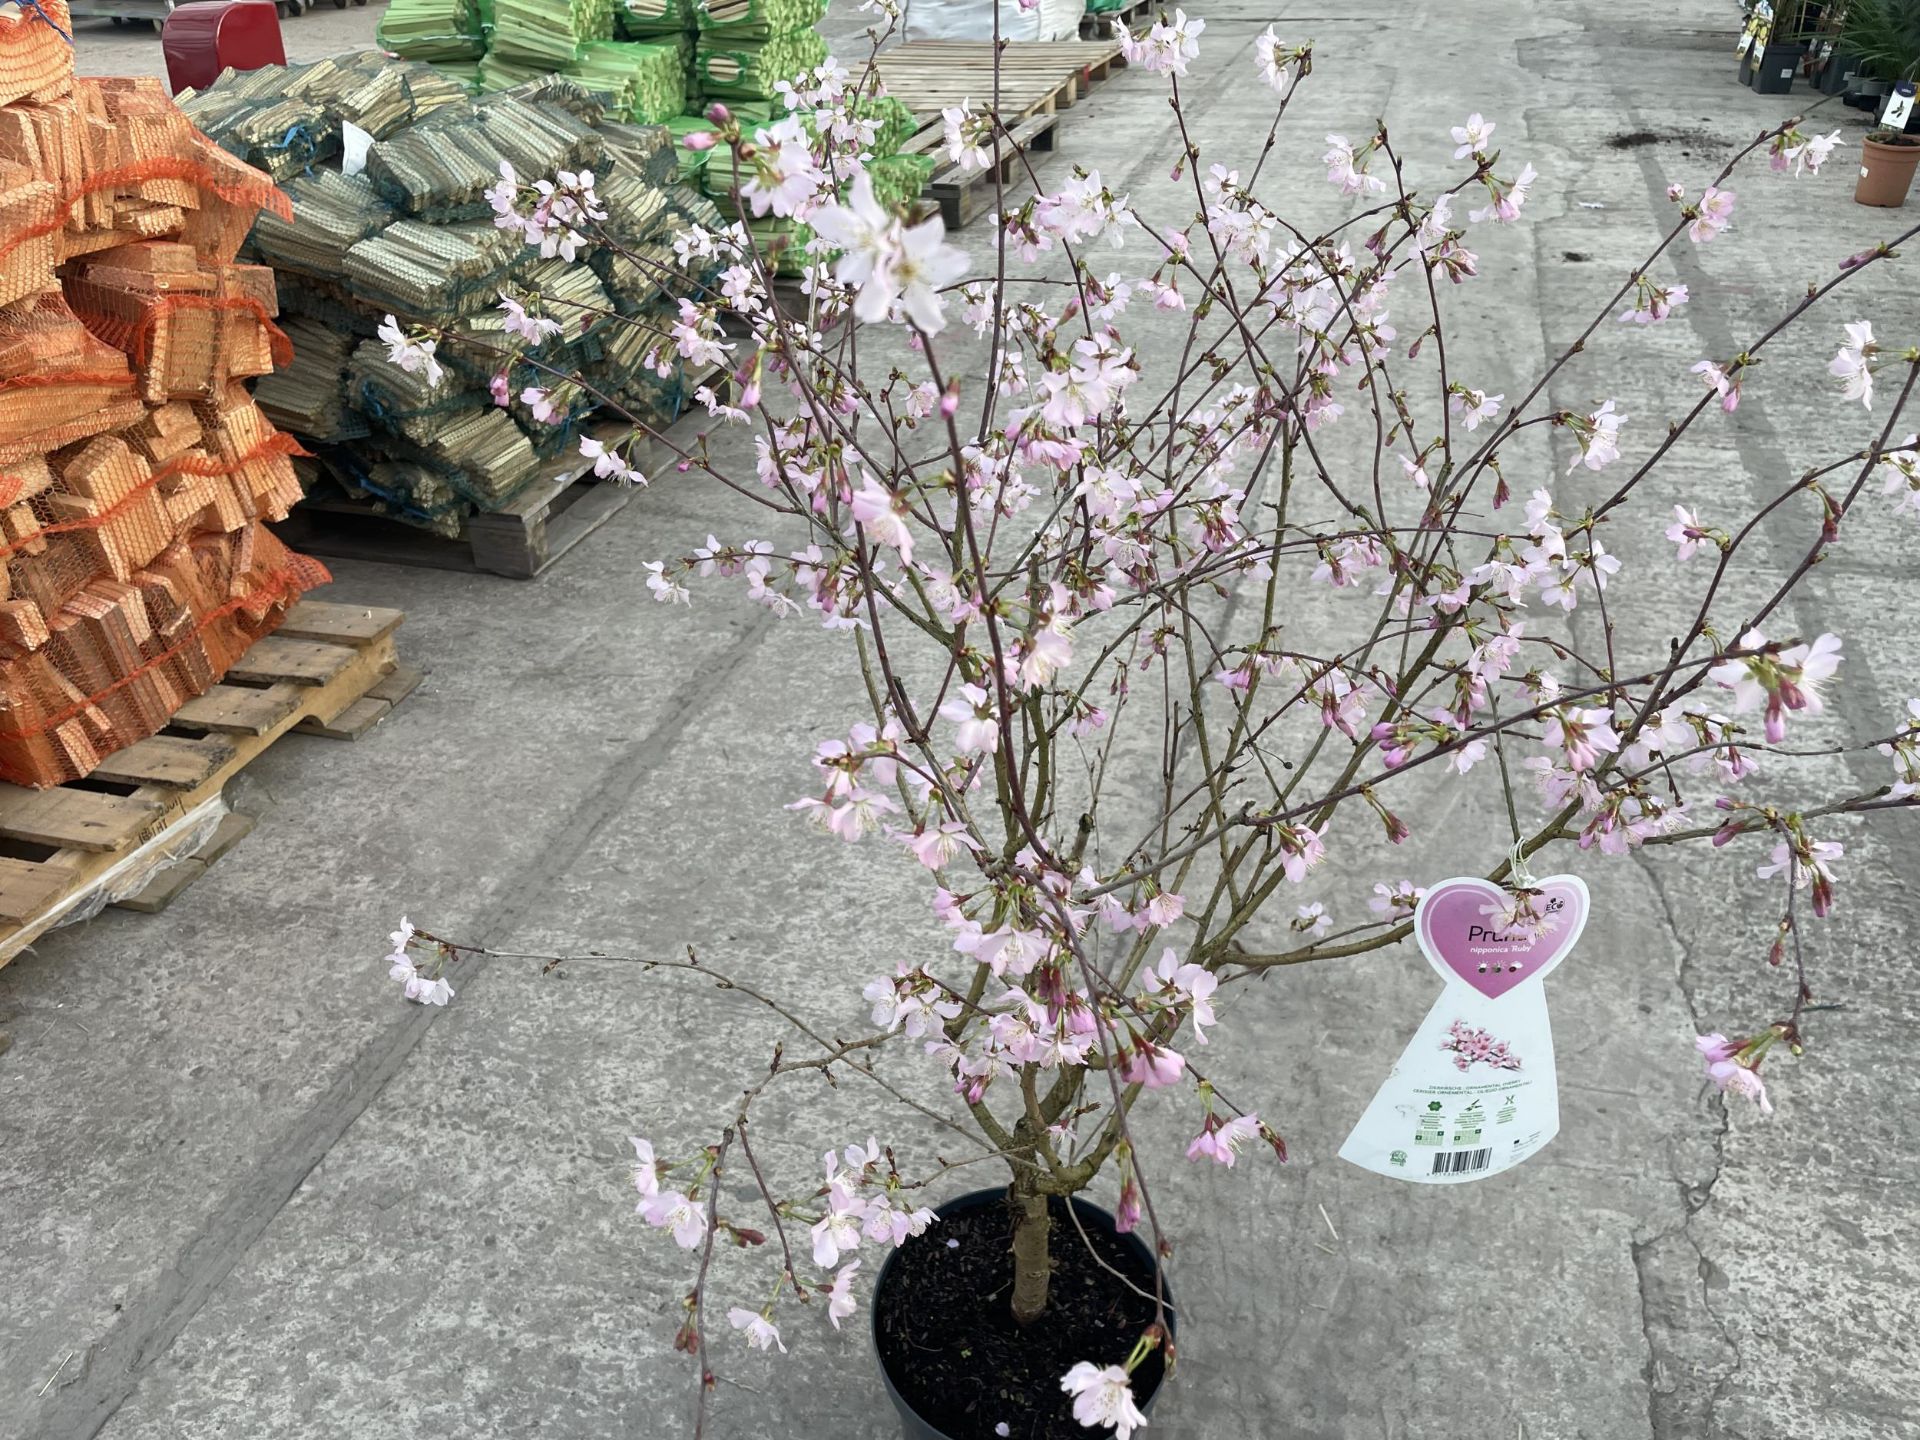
x: 1887, y: 162
x: 967, y: 1397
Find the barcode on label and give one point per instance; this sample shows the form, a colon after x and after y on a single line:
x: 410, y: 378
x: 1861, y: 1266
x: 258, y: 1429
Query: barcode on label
x: 1462, y: 1162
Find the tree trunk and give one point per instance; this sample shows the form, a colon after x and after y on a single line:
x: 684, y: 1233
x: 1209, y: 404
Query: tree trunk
x: 1032, y: 1262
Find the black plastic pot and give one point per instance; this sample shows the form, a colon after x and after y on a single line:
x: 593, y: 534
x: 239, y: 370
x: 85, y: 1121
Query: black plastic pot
x: 1837, y: 74
x: 913, y: 1426
x: 1771, y: 68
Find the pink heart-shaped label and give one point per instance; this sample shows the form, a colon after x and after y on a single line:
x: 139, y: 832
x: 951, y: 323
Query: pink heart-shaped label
x: 1495, y: 939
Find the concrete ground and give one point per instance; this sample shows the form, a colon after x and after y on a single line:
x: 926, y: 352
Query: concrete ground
x: 247, y: 1192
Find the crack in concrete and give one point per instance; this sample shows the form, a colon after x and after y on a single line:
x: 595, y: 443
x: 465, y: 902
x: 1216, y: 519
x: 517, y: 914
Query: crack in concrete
x: 1669, y: 1419
x: 147, y: 1327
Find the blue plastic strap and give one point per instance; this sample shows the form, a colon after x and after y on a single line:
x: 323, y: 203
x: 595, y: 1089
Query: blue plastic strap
x: 35, y: 7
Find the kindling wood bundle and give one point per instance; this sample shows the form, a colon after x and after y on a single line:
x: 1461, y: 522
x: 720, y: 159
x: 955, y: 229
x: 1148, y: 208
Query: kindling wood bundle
x: 751, y: 67
x: 414, y: 236
x: 135, y: 469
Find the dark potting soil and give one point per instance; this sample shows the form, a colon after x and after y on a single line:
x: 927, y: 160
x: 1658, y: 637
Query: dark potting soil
x: 949, y: 1341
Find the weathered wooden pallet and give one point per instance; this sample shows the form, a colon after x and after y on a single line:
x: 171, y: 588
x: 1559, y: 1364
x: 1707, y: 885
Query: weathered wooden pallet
x: 963, y: 195
x: 328, y: 670
x: 522, y: 539
x: 1101, y: 25
x: 1036, y: 77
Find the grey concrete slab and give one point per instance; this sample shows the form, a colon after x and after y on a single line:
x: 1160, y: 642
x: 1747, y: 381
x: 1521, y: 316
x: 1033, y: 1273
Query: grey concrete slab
x: 248, y: 1192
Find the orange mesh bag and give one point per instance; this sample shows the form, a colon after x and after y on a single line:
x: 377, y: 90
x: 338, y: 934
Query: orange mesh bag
x: 189, y: 328
x: 26, y: 203
x: 36, y: 50
x: 120, y: 657
x: 134, y: 466
x: 58, y: 383
x: 255, y: 458
x: 148, y: 126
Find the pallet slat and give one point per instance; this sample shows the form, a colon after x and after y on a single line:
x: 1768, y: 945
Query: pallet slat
x: 70, y: 819
x: 28, y: 887
x: 1035, y: 76
x: 237, y: 710
x: 285, y: 657
x: 176, y: 760
x: 339, y: 624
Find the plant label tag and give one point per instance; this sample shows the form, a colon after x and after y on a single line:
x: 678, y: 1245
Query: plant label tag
x: 1746, y: 41
x: 1474, y: 1092
x: 1899, y: 107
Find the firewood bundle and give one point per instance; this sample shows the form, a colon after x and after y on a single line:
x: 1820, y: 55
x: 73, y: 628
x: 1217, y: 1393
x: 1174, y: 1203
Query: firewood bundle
x: 135, y: 468
x: 408, y: 231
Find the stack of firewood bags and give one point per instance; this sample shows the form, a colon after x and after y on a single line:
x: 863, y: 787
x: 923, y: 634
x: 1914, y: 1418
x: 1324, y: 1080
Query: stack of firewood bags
x: 135, y: 468
x: 403, y: 227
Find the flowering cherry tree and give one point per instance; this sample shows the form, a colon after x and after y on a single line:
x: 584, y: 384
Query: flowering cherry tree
x: 1069, y: 564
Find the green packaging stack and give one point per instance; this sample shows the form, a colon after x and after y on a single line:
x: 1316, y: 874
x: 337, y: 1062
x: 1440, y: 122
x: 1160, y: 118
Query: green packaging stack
x: 645, y: 81
x: 413, y: 236
x: 726, y: 67
x: 647, y: 19
x: 552, y: 34
x: 899, y: 179
x: 432, y: 30
x: 747, y: 47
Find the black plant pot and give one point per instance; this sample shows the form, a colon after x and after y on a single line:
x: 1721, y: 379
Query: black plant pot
x: 1771, y: 69
x: 965, y: 1398
x: 1837, y: 75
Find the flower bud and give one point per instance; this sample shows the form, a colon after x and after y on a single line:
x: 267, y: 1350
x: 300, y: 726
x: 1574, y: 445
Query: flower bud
x: 698, y: 140
x: 719, y: 114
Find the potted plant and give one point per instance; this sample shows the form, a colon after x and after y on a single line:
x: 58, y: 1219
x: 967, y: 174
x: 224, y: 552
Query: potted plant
x: 1885, y: 34
x: 1779, y: 48
x: 1167, y: 583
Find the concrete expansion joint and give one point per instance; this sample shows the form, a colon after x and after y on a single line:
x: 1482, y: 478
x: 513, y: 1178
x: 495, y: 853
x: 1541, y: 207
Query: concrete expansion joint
x: 1663, y: 1325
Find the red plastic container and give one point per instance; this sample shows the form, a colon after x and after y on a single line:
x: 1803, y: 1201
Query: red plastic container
x: 202, y: 39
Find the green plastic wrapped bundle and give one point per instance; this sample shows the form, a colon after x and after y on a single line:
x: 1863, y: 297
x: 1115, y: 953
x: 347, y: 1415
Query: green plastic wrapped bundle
x: 498, y: 71
x: 308, y: 396
x: 548, y: 34
x: 898, y: 179
x: 782, y: 244
x: 737, y: 19
x: 486, y: 456
x: 727, y: 68
x: 331, y: 213
x: 401, y: 402
x: 648, y: 82
x: 432, y: 271
x: 467, y: 77
x: 431, y: 30
x: 413, y: 236
x: 283, y: 138
x: 643, y: 18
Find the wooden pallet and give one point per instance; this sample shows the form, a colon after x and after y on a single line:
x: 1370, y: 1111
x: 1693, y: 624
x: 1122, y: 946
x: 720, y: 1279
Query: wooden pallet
x: 328, y: 670
x: 1036, y: 77
x: 963, y: 195
x: 523, y: 539
x: 1137, y: 17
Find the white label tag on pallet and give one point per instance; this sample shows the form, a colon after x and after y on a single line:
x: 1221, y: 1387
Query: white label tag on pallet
x: 1475, y: 1091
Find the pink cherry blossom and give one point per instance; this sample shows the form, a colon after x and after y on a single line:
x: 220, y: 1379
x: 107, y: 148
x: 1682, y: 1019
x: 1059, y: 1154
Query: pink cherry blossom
x: 1221, y: 1142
